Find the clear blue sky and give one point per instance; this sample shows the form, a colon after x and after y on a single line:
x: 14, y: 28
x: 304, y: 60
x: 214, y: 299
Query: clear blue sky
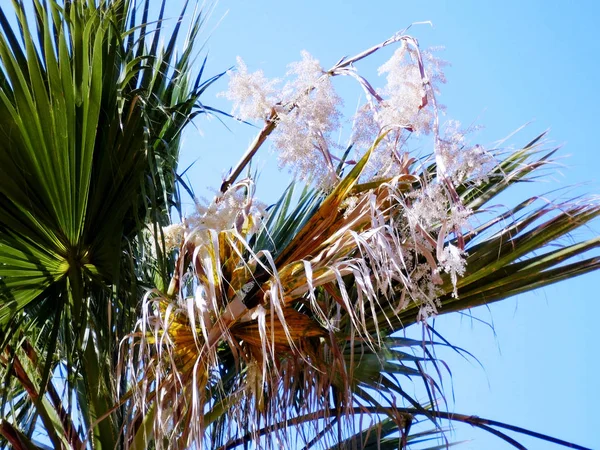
x: 513, y: 62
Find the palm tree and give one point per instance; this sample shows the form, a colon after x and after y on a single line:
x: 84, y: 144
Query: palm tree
x: 285, y: 330
x: 92, y: 106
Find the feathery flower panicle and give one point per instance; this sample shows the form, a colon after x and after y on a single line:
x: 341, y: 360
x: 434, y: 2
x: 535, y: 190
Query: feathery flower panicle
x: 428, y: 207
x: 386, y: 158
x: 253, y: 95
x: 307, y: 110
x: 305, y: 73
x: 403, y: 94
x: 404, y: 107
x: 173, y: 235
x: 409, y: 74
x: 452, y: 261
x: 434, y: 67
x: 431, y: 216
x: 302, y: 138
x: 365, y: 128
x: 234, y: 209
x: 458, y: 160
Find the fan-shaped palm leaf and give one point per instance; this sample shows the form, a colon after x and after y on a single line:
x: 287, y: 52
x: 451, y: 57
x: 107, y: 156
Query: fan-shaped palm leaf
x: 91, y: 110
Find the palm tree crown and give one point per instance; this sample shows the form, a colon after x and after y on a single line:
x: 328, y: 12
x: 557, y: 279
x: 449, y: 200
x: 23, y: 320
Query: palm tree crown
x: 244, y: 323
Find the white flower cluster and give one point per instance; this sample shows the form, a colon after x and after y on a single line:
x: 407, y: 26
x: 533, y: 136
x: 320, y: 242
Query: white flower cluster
x: 385, y: 157
x: 303, y: 135
x: 405, y: 94
x: 431, y: 218
x: 307, y: 114
x: 173, y: 235
x: 234, y: 209
x: 452, y: 261
x: 306, y: 73
x: 252, y: 94
x: 429, y: 207
x: 307, y: 110
x: 457, y: 160
x: 404, y: 108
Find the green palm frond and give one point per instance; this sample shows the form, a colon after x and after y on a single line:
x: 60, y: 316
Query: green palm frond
x: 91, y: 113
